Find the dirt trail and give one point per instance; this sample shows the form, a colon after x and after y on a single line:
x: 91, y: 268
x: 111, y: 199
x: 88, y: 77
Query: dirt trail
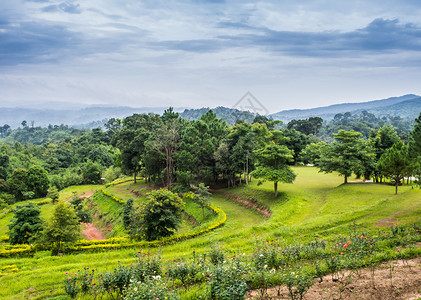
x: 92, y: 233
x: 405, y: 283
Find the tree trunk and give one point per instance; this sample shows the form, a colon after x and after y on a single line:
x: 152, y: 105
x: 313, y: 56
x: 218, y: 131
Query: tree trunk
x: 396, y: 187
x: 247, y: 170
x: 346, y: 179
x: 134, y: 177
x: 275, y: 185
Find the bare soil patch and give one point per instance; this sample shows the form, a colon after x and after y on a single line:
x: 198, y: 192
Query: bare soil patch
x: 250, y: 205
x: 192, y: 221
x: 86, y: 195
x: 92, y: 233
x: 387, y: 222
x: 392, y: 280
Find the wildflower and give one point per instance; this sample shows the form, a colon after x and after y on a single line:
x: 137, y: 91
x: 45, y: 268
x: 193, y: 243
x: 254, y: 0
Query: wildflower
x: 342, y: 253
x: 397, y: 250
x: 345, y: 246
x: 66, y: 273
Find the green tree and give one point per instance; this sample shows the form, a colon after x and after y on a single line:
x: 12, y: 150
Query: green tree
x: 272, y: 164
x: 165, y: 141
x: 53, y: 194
x: 159, y: 218
x: 415, y: 143
x: 91, y: 173
x: 25, y: 225
x: 382, y: 139
x: 395, y: 163
x: 127, y: 213
x: 4, y: 166
x: 63, y: 227
x: 202, y: 197
x: 37, y: 181
x: 18, y: 183
x: 346, y: 155
x: 312, y: 153
x: 131, y: 138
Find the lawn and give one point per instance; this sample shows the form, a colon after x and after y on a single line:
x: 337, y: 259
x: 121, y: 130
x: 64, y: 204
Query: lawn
x: 314, y: 205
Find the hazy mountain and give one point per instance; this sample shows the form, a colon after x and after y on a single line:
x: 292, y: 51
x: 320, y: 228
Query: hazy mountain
x: 91, y: 116
x: 79, y: 115
x: 230, y: 115
x: 407, y: 106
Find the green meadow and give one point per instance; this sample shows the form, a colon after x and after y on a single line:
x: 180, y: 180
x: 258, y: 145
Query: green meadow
x: 316, y: 205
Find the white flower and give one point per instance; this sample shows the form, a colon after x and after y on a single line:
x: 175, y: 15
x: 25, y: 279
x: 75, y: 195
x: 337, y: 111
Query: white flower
x: 265, y: 266
x: 261, y: 255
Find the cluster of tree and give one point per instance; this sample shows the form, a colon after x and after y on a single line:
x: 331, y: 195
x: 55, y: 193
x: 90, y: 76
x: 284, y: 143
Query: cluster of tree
x: 178, y: 153
x: 364, y: 123
x: 27, y: 226
x: 58, y: 156
x: 382, y: 155
x: 175, y: 152
x: 229, y: 115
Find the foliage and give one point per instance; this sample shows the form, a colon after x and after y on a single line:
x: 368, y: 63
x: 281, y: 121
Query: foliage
x: 82, y: 213
x: 127, y: 213
x: 53, y: 194
x: 18, y: 183
x: 159, y: 218
x: 202, y: 197
x: 348, y: 154
x: 37, y: 181
x: 395, y: 163
x: 272, y: 164
x: 25, y: 225
x: 91, y: 173
x: 62, y: 228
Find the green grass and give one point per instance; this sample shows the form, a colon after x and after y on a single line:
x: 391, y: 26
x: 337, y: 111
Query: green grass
x: 46, y: 209
x: 127, y: 190
x: 315, y: 205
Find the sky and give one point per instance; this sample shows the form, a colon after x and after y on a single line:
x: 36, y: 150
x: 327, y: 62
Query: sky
x: 204, y: 53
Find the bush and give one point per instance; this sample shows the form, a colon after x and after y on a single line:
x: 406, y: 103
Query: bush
x: 159, y: 218
x: 153, y: 287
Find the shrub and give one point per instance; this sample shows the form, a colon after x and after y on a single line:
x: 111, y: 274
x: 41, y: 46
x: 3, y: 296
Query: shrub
x: 159, y: 218
x: 228, y: 283
x: 153, y: 287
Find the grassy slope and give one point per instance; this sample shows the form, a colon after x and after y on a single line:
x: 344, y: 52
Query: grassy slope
x: 46, y: 209
x: 314, y: 204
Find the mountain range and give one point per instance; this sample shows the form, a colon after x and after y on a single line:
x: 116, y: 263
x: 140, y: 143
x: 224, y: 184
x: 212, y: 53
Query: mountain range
x: 407, y: 107
x: 43, y: 114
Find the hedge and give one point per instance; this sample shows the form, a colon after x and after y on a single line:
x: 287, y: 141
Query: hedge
x: 17, y: 250
x: 120, y: 242
x: 123, y: 242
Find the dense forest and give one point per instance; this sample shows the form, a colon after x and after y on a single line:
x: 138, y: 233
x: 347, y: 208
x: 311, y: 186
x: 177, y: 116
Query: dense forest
x: 174, y: 152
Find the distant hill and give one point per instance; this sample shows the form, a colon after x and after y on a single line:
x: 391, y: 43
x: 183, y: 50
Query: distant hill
x: 43, y: 114
x: 230, y: 115
x: 407, y: 107
x: 90, y: 116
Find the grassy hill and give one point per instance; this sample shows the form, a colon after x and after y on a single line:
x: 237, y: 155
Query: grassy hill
x: 315, y: 206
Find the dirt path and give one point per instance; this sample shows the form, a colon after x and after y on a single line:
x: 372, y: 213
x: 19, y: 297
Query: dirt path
x: 405, y: 283
x: 264, y: 211
x: 92, y: 233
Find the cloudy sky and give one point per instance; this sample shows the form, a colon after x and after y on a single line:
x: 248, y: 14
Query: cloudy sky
x: 289, y: 54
